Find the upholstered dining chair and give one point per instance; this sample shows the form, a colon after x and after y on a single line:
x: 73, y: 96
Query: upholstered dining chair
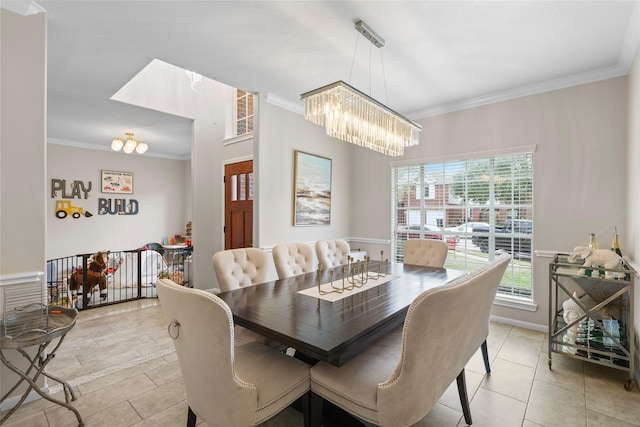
x: 225, y: 385
x: 427, y: 252
x: 236, y: 268
x: 397, y: 380
x: 332, y: 253
x: 292, y: 259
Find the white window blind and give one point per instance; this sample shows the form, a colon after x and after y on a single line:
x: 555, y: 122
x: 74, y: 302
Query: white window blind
x: 478, y: 206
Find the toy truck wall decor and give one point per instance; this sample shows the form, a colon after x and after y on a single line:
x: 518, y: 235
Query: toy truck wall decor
x: 64, y: 208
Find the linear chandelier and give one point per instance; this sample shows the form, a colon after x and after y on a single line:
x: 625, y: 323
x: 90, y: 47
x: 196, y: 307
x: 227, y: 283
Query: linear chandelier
x: 352, y: 116
x: 128, y: 144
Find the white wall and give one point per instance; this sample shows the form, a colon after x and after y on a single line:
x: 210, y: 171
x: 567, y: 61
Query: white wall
x: 22, y: 153
x: 158, y: 187
x: 580, y: 183
x: 633, y: 195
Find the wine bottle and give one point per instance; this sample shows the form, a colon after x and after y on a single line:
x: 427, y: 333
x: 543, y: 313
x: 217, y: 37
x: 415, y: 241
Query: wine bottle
x: 592, y: 245
x: 615, y: 245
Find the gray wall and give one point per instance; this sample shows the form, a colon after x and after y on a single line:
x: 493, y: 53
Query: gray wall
x: 580, y: 183
x: 22, y: 152
x: 22, y: 143
x: 158, y: 187
x: 632, y: 241
x: 281, y: 132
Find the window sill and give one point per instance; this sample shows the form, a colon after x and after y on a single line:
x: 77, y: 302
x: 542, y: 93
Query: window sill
x: 237, y: 139
x: 517, y: 303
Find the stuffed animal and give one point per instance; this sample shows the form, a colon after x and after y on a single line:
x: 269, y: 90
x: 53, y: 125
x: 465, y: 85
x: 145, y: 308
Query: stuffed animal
x: 601, y: 257
x: 96, y: 276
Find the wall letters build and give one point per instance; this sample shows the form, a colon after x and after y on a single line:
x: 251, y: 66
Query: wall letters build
x: 80, y: 190
x: 117, y: 207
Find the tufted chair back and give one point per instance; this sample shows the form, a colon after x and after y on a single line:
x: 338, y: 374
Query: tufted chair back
x: 225, y: 385
x: 332, y: 253
x: 427, y: 252
x: 292, y: 259
x: 399, y: 378
x: 237, y: 268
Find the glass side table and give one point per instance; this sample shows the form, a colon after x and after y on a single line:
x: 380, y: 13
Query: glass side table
x: 30, y: 326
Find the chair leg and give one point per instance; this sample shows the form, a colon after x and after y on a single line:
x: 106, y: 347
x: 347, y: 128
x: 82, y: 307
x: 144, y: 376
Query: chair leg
x: 464, y: 399
x: 485, y: 356
x: 316, y: 410
x: 191, y: 418
x: 306, y: 408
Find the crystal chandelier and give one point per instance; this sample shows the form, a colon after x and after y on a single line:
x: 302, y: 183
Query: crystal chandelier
x: 352, y: 116
x: 128, y: 144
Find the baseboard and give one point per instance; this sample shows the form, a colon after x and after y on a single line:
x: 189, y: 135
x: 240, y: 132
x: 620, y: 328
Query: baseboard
x: 520, y: 323
x: 13, y: 401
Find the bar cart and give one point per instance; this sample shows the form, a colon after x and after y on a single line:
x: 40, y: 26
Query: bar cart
x: 591, y: 314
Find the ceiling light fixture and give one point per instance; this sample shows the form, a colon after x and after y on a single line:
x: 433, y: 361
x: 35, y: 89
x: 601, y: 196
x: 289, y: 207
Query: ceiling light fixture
x: 128, y: 144
x: 352, y: 116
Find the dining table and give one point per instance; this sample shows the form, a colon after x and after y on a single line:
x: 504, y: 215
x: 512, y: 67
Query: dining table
x: 337, y: 326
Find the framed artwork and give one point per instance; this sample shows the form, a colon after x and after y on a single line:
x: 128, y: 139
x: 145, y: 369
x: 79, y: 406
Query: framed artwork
x: 311, y: 189
x: 117, y: 182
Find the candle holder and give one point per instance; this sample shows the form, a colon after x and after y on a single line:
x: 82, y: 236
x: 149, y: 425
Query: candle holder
x: 356, y: 275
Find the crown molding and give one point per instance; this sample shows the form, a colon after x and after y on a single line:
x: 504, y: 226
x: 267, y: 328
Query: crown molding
x: 295, y: 107
x: 22, y: 7
x: 534, y: 89
x: 87, y: 146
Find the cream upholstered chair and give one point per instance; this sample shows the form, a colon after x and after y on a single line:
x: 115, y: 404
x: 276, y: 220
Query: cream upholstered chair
x: 332, y: 253
x: 292, y: 259
x: 227, y: 386
x: 236, y: 268
x: 427, y: 252
x: 397, y: 380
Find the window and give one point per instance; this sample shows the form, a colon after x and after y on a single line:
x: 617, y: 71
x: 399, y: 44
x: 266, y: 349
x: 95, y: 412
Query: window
x: 244, y: 112
x: 478, y: 206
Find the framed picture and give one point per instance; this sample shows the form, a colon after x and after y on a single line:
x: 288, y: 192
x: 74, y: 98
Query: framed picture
x: 117, y: 182
x: 311, y: 189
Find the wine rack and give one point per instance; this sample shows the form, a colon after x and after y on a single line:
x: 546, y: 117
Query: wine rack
x: 597, y: 324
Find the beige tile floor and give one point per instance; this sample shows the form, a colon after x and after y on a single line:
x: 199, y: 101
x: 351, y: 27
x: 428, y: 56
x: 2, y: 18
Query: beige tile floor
x: 122, y: 364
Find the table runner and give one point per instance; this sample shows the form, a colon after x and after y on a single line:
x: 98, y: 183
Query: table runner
x: 335, y: 296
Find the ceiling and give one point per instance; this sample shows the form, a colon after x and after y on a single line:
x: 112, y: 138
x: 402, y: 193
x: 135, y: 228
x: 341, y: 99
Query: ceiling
x: 439, y: 55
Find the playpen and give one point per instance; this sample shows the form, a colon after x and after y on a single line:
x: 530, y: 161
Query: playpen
x: 128, y: 275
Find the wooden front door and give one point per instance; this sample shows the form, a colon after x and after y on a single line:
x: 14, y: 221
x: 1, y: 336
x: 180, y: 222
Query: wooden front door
x: 238, y: 205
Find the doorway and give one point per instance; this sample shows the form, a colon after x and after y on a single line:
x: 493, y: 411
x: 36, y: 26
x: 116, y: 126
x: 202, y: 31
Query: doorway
x: 238, y: 205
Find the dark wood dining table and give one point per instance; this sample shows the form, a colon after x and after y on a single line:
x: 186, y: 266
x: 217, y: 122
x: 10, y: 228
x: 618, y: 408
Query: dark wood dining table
x: 337, y: 331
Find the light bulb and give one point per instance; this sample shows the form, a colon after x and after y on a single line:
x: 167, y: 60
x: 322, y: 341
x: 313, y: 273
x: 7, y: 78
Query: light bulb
x: 129, y: 146
x: 116, y: 144
x: 141, y: 147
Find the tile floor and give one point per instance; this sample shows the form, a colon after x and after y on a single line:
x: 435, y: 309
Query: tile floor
x: 122, y: 364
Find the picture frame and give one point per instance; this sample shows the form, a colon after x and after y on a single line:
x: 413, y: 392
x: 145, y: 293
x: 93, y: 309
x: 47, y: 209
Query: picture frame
x: 116, y: 182
x: 311, y: 189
